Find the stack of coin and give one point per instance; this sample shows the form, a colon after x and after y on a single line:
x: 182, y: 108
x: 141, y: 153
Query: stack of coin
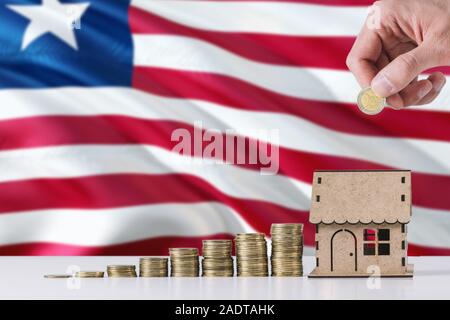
x: 89, y: 274
x: 287, y: 249
x: 251, y: 255
x: 184, y: 262
x: 153, y: 267
x: 217, y: 260
x: 121, y: 271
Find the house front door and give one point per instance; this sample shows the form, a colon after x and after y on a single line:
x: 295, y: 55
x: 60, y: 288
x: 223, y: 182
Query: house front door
x: 343, y: 252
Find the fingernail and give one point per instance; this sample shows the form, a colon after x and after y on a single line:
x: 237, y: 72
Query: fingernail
x: 439, y: 88
x: 423, y: 92
x: 382, y: 86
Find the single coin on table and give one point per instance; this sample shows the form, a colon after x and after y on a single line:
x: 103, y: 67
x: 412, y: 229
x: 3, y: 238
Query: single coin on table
x: 57, y: 276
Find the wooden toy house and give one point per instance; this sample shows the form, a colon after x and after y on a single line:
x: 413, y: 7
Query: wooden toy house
x: 360, y: 219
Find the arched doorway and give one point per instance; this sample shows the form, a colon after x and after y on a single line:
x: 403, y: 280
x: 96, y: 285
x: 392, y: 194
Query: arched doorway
x: 343, y: 251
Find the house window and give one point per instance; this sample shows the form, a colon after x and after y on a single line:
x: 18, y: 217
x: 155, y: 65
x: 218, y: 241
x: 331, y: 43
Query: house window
x: 318, y: 198
x: 317, y: 245
x: 369, y: 249
x: 403, y: 198
x: 376, y: 242
x: 403, y: 228
x: 403, y: 245
x: 317, y: 228
x: 383, y: 234
x: 403, y: 179
x: 383, y: 249
x: 319, y: 180
x: 369, y: 235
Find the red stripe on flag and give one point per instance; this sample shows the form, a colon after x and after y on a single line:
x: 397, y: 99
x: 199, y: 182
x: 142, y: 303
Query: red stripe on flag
x: 364, y: 3
x: 418, y: 250
x: 235, y: 93
x: 301, y: 51
x: 429, y: 190
x: 122, y: 190
x: 158, y: 246
x: 320, y: 52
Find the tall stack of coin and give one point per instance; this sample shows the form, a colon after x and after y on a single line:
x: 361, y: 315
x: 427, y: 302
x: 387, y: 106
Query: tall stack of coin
x: 153, y: 267
x: 217, y: 260
x: 184, y: 262
x: 121, y: 271
x: 251, y: 255
x: 287, y: 249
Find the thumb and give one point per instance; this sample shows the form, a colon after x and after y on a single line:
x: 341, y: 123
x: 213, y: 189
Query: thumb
x: 401, y: 71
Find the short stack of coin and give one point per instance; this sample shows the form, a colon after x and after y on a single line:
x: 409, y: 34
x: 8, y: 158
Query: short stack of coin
x: 153, y: 267
x: 251, y: 255
x: 184, y: 262
x: 121, y: 271
x: 217, y: 260
x: 287, y: 249
x: 89, y: 274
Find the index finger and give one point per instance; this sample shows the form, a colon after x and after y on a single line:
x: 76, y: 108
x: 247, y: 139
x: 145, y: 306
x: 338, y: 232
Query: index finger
x: 364, y: 55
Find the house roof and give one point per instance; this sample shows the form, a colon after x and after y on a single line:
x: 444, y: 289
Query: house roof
x: 361, y: 197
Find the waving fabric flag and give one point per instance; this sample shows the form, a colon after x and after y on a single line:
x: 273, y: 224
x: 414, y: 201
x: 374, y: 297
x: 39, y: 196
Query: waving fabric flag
x: 91, y: 92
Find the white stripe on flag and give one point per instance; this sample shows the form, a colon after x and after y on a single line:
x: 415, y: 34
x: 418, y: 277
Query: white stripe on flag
x: 86, y: 161
x: 81, y: 161
x: 105, y: 227
x: 188, y: 54
x: 275, y: 17
x: 295, y: 133
x: 429, y: 227
x: 121, y: 225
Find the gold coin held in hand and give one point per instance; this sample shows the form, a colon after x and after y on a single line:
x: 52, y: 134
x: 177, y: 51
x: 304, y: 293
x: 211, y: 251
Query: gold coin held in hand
x: 370, y: 103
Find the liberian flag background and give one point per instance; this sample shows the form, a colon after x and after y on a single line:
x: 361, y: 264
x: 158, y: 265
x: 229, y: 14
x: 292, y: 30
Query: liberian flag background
x: 86, y: 117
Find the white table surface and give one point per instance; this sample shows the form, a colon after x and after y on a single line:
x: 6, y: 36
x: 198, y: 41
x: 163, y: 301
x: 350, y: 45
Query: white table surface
x: 22, y: 278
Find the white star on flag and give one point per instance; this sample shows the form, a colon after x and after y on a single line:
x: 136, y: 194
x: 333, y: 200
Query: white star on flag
x: 50, y: 17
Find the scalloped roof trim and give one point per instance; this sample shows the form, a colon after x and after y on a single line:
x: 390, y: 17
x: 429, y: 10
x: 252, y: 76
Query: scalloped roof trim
x: 331, y: 220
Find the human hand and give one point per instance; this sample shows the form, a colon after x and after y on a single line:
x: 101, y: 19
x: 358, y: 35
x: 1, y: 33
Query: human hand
x: 412, y: 36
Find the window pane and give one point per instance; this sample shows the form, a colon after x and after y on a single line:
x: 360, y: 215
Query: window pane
x: 383, y: 235
x: 369, y: 235
x: 369, y: 249
x: 384, y: 249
